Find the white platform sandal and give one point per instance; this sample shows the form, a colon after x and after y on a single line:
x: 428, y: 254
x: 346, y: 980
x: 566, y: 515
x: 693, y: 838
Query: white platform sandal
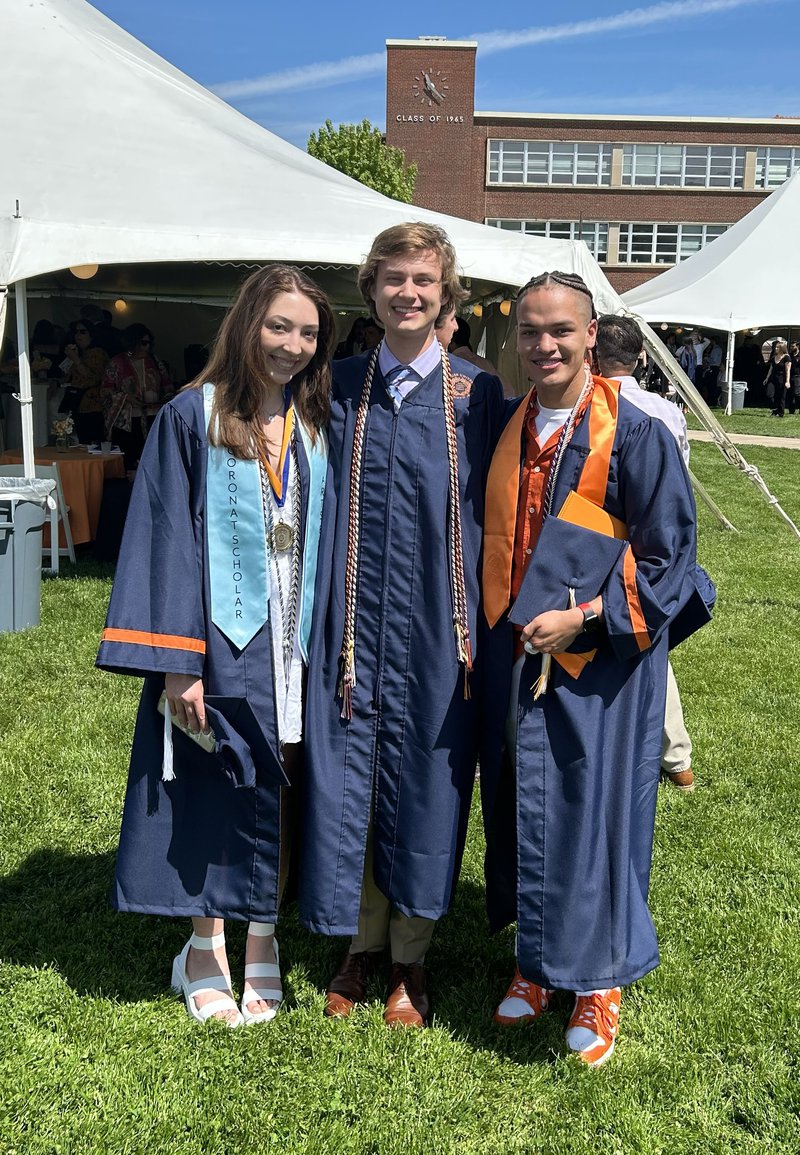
x: 190, y: 990
x: 253, y: 971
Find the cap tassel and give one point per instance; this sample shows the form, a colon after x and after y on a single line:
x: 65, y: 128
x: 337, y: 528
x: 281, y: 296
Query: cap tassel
x: 347, y: 681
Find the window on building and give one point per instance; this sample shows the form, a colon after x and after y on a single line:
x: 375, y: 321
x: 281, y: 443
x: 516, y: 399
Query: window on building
x: 549, y: 162
x: 683, y: 166
x: 594, y: 233
x: 775, y: 165
x: 661, y: 244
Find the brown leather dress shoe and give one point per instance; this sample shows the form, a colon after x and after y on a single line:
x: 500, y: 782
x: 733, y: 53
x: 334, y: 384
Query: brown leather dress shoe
x: 349, y: 985
x: 407, y: 1002
x: 680, y: 779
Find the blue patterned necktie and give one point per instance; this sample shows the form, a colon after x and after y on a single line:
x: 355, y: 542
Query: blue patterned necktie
x: 397, y: 376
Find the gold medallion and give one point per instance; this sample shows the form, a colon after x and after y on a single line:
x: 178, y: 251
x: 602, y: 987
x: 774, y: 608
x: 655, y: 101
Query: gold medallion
x: 282, y: 537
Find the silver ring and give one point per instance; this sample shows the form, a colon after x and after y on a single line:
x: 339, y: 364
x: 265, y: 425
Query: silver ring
x: 529, y: 648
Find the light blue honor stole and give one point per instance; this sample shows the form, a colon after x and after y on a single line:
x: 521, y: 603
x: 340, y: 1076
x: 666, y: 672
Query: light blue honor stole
x: 237, y: 543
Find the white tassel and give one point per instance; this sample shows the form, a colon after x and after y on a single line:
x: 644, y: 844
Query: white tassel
x: 167, y: 771
x: 540, y: 685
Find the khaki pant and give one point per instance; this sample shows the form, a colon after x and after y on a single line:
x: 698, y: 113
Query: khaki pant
x: 676, y: 751
x: 378, y: 924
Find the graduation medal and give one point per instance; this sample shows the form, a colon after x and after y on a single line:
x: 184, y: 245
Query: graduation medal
x: 282, y: 537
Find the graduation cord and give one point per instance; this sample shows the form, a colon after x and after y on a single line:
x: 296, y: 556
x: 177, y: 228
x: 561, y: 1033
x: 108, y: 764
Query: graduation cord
x: 347, y: 657
x: 568, y: 428
x: 287, y: 604
x: 455, y: 544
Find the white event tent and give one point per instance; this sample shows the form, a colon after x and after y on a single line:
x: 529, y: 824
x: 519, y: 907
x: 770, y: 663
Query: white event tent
x: 748, y: 278
x: 112, y: 156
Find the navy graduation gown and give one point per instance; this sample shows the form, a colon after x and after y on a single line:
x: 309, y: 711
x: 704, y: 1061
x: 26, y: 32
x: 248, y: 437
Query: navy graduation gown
x: 569, y: 829
x: 406, y: 759
x: 201, y: 845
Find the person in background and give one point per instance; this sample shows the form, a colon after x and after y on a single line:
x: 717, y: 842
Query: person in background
x: 105, y: 335
x: 619, y: 341
x: 353, y: 342
x: 778, y: 378
x: 213, y: 605
x: 686, y: 358
x: 712, y: 363
x: 83, y: 379
x: 700, y: 346
x: 136, y: 386
x: 793, y: 399
x: 373, y: 334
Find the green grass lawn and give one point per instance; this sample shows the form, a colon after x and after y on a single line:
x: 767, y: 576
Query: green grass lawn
x: 97, y: 1056
x: 758, y: 422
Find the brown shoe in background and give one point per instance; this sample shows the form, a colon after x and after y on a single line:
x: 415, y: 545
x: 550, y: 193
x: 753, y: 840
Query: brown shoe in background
x: 349, y: 985
x: 680, y: 779
x: 407, y: 1002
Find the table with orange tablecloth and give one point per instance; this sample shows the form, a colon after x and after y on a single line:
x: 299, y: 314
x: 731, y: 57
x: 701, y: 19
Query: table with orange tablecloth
x: 82, y: 476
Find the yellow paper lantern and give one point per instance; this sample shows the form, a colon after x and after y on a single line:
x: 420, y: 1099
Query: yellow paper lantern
x: 83, y: 272
x: 120, y: 305
x: 477, y: 310
x: 505, y: 308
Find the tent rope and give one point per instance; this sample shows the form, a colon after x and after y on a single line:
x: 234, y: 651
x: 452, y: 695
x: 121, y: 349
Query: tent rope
x: 664, y: 359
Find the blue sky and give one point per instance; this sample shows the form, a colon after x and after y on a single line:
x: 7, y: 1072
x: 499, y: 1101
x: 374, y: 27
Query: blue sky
x: 291, y: 66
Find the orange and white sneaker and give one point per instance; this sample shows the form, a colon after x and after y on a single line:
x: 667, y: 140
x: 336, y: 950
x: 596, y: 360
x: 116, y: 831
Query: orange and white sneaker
x: 592, y: 1028
x: 524, y: 1001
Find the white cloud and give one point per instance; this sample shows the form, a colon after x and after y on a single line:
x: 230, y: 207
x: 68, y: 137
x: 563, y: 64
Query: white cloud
x: 307, y: 76
x: 670, y: 10
x: 353, y: 68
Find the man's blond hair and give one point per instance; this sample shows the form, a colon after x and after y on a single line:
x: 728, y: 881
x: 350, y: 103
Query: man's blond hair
x: 403, y: 240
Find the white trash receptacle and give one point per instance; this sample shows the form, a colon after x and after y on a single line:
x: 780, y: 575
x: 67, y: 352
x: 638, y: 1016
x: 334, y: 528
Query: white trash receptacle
x: 733, y: 398
x: 23, y: 508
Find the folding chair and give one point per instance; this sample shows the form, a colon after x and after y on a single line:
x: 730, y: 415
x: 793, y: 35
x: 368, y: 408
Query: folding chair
x: 60, y: 511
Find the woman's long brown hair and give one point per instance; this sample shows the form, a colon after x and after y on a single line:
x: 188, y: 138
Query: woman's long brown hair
x: 237, y: 369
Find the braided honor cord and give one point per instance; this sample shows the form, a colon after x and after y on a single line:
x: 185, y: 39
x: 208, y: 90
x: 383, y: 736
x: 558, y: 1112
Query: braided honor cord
x: 460, y: 610
x: 347, y: 658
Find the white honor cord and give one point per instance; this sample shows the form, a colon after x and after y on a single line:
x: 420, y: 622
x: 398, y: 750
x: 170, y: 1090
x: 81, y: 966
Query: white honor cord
x: 167, y: 772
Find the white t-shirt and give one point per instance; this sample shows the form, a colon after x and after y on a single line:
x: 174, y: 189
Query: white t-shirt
x: 548, y: 421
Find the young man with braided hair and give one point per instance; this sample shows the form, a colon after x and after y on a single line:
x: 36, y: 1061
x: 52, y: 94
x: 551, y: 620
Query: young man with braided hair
x: 391, y: 729
x: 588, y: 564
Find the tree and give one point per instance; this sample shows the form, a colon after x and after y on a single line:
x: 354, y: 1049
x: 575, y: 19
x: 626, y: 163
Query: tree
x: 359, y: 151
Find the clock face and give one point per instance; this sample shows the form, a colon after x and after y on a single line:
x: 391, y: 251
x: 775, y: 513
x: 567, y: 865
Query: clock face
x: 430, y: 87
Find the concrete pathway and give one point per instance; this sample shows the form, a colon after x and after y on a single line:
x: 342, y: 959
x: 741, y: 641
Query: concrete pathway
x: 749, y: 439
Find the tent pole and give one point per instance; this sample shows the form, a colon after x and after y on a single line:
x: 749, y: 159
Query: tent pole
x: 661, y: 354
x: 25, y: 395
x: 729, y: 372
x: 706, y: 497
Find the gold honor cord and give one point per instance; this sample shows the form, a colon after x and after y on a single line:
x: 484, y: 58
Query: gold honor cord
x: 347, y: 657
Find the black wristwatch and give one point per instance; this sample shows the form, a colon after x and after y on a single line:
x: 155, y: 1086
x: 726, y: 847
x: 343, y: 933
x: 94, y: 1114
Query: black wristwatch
x: 591, y: 620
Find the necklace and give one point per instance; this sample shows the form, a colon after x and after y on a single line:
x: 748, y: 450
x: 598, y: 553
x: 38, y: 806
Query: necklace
x: 282, y: 537
x: 286, y: 395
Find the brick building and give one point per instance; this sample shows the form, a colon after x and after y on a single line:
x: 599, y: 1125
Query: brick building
x: 643, y: 191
